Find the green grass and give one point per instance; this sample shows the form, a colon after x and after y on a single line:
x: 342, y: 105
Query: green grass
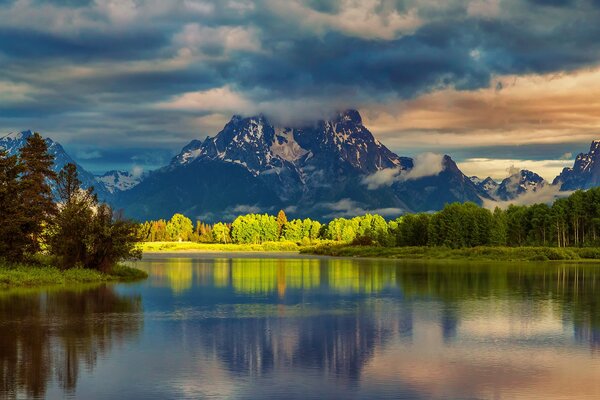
x: 35, y: 275
x: 475, y: 253
x: 217, y: 247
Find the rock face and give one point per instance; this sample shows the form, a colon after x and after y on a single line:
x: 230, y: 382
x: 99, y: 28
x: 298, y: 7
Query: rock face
x: 488, y: 185
x: 119, y: 181
x: 518, y: 183
x: 13, y: 143
x: 317, y: 170
x: 585, y: 173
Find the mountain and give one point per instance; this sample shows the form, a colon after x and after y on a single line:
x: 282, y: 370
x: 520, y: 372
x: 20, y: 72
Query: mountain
x: 488, y: 185
x: 119, y: 181
x: 13, y: 142
x: 585, y: 172
x: 519, y: 183
x: 317, y: 170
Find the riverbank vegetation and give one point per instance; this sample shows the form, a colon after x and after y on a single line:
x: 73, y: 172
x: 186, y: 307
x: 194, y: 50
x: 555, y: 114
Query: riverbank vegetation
x: 567, y: 229
x: 84, y: 239
x: 36, y: 275
x: 481, y: 253
x: 283, y: 246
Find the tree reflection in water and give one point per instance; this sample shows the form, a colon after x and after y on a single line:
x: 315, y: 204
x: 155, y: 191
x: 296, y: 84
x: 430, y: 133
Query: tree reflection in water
x: 345, y: 332
x: 51, y: 335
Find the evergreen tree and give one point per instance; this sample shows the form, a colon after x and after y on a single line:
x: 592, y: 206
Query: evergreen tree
x: 110, y: 240
x: 13, y: 239
x: 69, y: 228
x: 36, y: 194
x: 499, y: 231
x: 85, y: 233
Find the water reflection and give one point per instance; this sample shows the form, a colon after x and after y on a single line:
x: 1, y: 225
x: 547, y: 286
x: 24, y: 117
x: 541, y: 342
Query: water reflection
x: 350, y: 322
x: 571, y: 288
x: 51, y: 335
x: 310, y: 328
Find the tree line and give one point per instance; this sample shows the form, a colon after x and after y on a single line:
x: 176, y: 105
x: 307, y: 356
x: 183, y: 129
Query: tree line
x: 568, y: 222
x: 68, y: 223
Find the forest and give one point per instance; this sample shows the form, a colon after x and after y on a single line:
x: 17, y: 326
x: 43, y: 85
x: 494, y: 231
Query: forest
x: 47, y: 218
x: 573, y: 221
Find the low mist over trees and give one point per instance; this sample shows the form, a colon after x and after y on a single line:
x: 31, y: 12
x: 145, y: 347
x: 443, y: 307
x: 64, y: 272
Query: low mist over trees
x: 69, y: 225
x: 571, y: 221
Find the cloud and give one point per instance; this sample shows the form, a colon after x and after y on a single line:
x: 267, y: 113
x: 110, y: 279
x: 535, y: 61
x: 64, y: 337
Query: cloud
x: 370, y: 19
x: 530, y: 109
x: 384, y: 177
x: 484, y: 8
x: 567, y: 156
x: 137, y: 171
x: 497, y: 168
x: 222, y: 99
x: 246, y: 209
x: 545, y: 194
x: 88, y: 155
x: 426, y: 164
x: 350, y: 208
x: 425, y: 73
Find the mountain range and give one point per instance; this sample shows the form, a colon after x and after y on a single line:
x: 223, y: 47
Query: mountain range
x: 518, y: 183
x: 326, y: 169
x: 13, y: 142
x: 322, y: 170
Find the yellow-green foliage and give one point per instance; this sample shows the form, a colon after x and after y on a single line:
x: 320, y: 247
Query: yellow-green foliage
x: 23, y: 275
x: 211, y: 247
x: 486, y: 253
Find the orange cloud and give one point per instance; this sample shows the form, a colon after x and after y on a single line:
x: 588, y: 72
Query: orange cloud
x: 528, y: 109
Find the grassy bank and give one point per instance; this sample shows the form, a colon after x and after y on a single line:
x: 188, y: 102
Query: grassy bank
x: 41, y: 275
x: 217, y: 247
x: 475, y: 253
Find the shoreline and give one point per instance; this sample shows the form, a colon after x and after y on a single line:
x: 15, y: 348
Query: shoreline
x: 481, y: 254
x: 39, y: 276
x: 209, y: 254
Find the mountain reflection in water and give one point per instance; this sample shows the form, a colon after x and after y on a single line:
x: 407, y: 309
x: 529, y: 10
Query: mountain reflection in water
x: 311, y: 328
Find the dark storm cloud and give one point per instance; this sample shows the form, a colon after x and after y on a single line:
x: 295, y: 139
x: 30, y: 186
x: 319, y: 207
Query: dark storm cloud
x: 23, y: 43
x: 80, y: 69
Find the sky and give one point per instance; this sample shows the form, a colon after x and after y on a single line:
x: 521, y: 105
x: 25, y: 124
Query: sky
x: 127, y: 83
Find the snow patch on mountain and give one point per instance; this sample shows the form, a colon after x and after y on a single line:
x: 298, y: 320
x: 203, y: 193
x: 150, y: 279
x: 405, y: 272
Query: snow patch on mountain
x: 119, y: 180
x: 285, y: 146
x: 585, y: 172
x: 13, y: 142
x: 518, y: 183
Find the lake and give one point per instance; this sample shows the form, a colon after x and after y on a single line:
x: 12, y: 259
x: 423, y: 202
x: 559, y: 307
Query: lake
x: 212, y: 326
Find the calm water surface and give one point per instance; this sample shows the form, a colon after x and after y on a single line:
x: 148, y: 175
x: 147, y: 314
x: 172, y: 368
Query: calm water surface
x: 203, y: 327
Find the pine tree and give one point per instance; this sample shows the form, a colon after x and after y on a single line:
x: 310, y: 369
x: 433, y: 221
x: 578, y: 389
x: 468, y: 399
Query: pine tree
x: 70, y: 226
x: 84, y: 232
x: 13, y: 239
x: 37, y: 199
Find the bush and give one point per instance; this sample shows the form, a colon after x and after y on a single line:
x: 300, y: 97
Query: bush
x: 590, y: 253
x: 363, y: 241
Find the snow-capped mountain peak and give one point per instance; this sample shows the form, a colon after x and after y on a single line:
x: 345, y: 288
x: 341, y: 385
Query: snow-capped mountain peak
x: 13, y: 142
x: 585, y: 172
x: 115, y: 181
x: 518, y: 183
x: 260, y: 147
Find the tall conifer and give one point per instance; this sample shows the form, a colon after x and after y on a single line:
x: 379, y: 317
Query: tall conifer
x: 37, y: 198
